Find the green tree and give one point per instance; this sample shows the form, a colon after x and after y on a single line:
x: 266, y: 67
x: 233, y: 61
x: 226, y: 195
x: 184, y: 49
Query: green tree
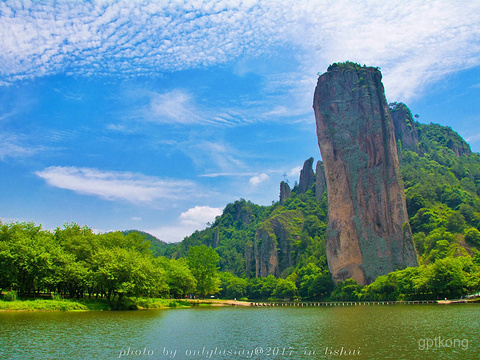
x: 455, y: 222
x: 472, y: 236
x: 321, y: 286
x: 26, y: 257
x: 269, y: 285
x: 202, y: 261
x: 232, y: 287
x: 285, y: 289
x: 179, y: 278
x: 447, y: 278
x: 125, y: 272
x: 415, y: 202
x: 346, y: 291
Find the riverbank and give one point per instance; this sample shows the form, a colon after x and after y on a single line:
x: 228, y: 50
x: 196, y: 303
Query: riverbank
x: 218, y: 302
x: 152, y: 303
x: 86, y: 304
x: 91, y: 304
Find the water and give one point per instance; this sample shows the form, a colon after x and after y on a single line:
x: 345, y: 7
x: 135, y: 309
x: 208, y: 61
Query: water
x: 364, y: 332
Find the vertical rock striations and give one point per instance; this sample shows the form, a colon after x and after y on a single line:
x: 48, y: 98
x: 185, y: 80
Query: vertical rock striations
x: 320, y: 181
x: 368, y: 233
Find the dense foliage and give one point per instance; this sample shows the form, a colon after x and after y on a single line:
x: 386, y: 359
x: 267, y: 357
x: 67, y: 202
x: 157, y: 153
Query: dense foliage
x: 74, y: 261
x: 451, y: 277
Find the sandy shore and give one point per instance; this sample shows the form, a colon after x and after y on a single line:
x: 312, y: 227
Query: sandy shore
x: 217, y: 302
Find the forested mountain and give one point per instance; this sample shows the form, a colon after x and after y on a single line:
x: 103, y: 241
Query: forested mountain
x: 442, y: 184
x: 158, y: 247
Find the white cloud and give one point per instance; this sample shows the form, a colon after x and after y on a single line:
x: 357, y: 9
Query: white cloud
x: 226, y: 174
x: 111, y: 185
x: 295, y: 171
x: 415, y: 43
x: 128, y: 37
x: 174, y: 107
x: 180, y: 107
x: 255, y: 180
x: 193, y: 219
x: 199, y: 215
x: 177, y: 106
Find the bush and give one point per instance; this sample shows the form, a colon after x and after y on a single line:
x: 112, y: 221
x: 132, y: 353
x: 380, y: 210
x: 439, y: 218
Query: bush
x: 472, y: 236
x: 10, y: 296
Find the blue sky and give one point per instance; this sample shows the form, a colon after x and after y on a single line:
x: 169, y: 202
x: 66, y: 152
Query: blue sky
x: 153, y: 115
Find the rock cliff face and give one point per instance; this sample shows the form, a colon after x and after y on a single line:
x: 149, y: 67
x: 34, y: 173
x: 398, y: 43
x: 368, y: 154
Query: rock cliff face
x: 285, y: 192
x: 274, y: 241
x: 320, y: 181
x: 307, y: 177
x: 460, y: 149
x: 368, y: 233
x: 405, y: 129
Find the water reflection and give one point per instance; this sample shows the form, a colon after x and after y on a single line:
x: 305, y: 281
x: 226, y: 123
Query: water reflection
x: 355, y: 332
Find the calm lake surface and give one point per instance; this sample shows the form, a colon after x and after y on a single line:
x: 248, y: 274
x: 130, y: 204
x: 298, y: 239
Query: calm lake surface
x: 364, y: 332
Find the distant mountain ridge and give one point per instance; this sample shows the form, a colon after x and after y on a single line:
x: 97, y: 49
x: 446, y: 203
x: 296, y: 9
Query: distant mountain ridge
x: 158, y: 247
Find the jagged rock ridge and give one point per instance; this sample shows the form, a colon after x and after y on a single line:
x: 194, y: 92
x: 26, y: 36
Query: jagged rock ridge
x: 368, y: 233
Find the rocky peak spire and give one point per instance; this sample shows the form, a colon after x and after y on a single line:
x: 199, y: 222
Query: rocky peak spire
x: 320, y: 181
x: 285, y: 192
x: 368, y: 233
x: 307, y: 177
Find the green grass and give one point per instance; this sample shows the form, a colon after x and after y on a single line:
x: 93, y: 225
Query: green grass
x: 86, y: 304
x: 42, y: 305
x: 153, y: 303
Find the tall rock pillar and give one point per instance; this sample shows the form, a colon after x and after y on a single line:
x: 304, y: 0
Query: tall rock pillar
x: 320, y: 182
x: 368, y: 232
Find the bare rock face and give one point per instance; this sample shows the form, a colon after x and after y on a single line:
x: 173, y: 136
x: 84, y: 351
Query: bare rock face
x: 307, y: 177
x: 285, y: 192
x: 368, y: 233
x: 320, y: 181
x: 404, y: 124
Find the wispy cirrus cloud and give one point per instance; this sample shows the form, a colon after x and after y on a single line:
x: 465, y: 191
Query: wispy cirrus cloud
x: 114, y: 186
x: 15, y: 146
x: 181, y: 107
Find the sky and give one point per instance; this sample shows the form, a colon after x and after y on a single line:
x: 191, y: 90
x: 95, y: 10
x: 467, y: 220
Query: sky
x: 154, y: 115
